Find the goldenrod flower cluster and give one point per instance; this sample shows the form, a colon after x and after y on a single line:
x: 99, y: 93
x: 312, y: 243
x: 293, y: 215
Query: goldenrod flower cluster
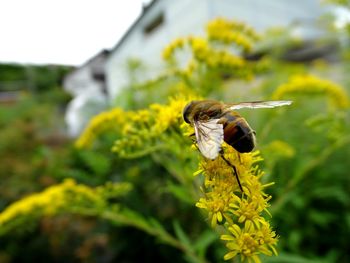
x: 51, y: 199
x: 64, y: 197
x: 145, y: 129
x: 248, y: 233
x: 229, y: 32
x: 219, y: 49
x: 140, y: 132
x: 312, y: 85
x: 174, y: 45
x: 205, y: 54
x: 105, y: 121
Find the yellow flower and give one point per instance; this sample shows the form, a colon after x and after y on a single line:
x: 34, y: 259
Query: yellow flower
x: 105, y: 121
x: 232, y: 32
x: 311, y: 85
x: 144, y: 135
x: 49, y: 201
x: 246, y: 210
x: 217, y: 203
x: 64, y: 197
x: 248, y: 242
x: 168, y: 51
x: 200, y: 48
x: 167, y: 115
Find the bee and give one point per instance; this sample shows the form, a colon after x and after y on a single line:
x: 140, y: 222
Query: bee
x: 215, y: 122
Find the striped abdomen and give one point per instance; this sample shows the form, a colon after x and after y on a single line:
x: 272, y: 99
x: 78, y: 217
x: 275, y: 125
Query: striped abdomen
x: 237, y: 132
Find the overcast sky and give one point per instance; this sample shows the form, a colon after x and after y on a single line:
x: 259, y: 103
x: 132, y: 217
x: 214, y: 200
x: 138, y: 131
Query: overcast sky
x: 62, y: 31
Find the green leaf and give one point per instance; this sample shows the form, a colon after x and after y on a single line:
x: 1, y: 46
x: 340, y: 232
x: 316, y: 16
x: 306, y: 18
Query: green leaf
x: 204, y: 240
x: 180, y: 234
x: 181, y: 193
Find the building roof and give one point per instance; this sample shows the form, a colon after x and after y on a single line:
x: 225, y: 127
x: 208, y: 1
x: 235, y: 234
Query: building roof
x: 145, y: 10
x: 103, y: 52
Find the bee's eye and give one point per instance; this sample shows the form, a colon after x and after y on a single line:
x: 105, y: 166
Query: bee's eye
x: 186, y: 112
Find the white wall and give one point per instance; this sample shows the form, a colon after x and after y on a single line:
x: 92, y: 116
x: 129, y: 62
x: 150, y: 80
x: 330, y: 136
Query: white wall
x: 80, y: 82
x: 88, y: 97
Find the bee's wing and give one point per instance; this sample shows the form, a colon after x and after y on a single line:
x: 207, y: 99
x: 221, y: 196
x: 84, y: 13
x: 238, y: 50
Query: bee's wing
x: 259, y: 104
x: 210, y: 136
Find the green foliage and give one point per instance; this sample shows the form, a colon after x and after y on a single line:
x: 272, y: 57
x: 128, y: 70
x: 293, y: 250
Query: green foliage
x: 11, y: 72
x: 33, y: 78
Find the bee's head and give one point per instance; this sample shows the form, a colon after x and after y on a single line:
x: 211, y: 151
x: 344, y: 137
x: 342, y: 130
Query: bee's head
x: 187, y: 111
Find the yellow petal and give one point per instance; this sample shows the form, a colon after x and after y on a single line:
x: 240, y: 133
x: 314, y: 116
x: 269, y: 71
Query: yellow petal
x: 227, y: 237
x: 256, y: 259
x: 235, y: 230
x: 230, y: 255
x: 233, y: 246
x: 241, y: 219
x: 219, y: 216
x: 197, y: 172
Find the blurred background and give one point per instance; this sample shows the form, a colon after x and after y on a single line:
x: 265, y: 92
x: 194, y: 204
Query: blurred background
x: 64, y: 62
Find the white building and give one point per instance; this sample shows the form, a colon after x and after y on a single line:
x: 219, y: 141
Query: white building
x: 87, y: 86
x: 164, y: 20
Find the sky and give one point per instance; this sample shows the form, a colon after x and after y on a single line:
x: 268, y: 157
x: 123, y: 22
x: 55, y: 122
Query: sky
x: 62, y: 31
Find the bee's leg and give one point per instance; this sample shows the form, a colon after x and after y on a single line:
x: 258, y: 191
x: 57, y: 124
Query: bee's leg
x: 239, y: 158
x: 193, y: 138
x: 234, y: 170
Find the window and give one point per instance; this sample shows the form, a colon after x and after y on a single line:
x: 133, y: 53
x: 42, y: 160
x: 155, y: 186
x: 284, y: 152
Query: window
x: 154, y: 24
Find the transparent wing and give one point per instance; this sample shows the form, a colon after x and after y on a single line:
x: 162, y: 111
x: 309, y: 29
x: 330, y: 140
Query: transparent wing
x: 259, y: 104
x: 210, y: 136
